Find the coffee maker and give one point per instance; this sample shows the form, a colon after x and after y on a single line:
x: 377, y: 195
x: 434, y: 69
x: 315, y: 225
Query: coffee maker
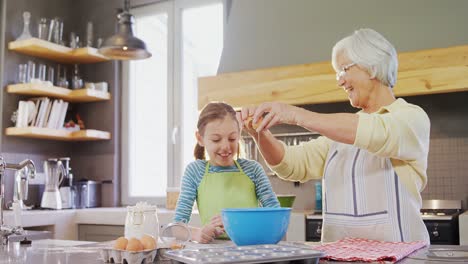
x: 54, y: 173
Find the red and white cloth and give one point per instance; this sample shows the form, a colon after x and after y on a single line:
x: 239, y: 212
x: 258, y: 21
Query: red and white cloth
x: 360, y: 249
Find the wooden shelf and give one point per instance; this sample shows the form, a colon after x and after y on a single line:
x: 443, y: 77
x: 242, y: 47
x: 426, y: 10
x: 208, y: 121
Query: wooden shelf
x: 432, y: 71
x: 48, y: 50
x: 56, y: 134
x: 74, y: 96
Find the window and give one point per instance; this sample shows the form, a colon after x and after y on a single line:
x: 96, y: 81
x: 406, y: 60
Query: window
x: 159, y: 98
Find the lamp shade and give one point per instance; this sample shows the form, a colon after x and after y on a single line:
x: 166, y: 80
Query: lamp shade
x: 124, y: 45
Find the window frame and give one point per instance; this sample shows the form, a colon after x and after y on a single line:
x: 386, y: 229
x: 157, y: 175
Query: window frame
x: 174, y: 81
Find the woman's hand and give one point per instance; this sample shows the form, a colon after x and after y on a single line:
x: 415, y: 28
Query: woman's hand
x: 273, y: 113
x: 210, y: 231
x: 245, y: 118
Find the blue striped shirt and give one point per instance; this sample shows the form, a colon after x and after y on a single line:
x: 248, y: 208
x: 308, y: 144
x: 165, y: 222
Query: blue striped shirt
x: 194, y: 174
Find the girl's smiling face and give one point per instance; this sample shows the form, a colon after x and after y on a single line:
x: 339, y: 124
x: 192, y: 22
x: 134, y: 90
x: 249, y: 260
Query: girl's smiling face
x: 221, y: 141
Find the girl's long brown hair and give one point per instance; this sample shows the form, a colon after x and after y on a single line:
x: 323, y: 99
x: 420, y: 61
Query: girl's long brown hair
x: 211, y: 112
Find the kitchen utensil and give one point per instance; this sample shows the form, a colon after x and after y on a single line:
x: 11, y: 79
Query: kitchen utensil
x: 175, y: 235
x: 89, y: 193
x: 253, y: 226
x: 54, y: 171
x: 141, y: 219
x: 281, y: 253
x: 66, y: 185
x: 286, y: 200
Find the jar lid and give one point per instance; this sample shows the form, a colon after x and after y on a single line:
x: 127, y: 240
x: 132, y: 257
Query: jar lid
x: 142, y: 207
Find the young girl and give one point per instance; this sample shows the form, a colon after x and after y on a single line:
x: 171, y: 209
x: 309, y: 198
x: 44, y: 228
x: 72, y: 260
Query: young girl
x: 223, y: 181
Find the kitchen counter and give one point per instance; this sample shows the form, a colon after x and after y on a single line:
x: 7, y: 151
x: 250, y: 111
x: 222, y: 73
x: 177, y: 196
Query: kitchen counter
x: 71, y: 252
x: 63, y: 223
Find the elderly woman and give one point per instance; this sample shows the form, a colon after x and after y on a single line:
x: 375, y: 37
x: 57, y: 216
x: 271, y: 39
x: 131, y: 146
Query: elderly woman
x: 372, y: 163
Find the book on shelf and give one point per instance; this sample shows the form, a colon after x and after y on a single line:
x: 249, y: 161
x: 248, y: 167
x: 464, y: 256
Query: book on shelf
x: 42, y: 112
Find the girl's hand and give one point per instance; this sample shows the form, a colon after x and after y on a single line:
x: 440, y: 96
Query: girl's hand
x: 210, y: 231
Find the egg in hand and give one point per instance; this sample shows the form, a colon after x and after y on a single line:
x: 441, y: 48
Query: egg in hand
x: 250, y: 124
x: 120, y: 243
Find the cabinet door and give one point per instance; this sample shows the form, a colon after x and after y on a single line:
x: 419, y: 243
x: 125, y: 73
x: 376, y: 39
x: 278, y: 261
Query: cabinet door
x: 99, y: 233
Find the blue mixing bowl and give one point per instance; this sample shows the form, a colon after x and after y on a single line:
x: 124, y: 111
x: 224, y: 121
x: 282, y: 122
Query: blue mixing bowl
x: 254, y: 226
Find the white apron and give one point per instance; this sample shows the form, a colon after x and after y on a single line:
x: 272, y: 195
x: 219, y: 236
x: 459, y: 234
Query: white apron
x: 363, y: 197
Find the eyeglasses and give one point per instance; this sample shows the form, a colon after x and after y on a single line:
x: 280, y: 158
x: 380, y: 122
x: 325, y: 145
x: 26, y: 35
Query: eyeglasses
x: 343, y: 71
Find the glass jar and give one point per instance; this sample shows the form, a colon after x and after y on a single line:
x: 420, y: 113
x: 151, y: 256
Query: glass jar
x: 141, y: 219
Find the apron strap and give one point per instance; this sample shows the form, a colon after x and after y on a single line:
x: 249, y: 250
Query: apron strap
x: 207, y: 167
x: 239, y: 167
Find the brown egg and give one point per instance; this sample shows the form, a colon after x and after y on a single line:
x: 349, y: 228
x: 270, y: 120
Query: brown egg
x: 120, y: 243
x: 148, y: 242
x: 249, y: 122
x: 134, y: 245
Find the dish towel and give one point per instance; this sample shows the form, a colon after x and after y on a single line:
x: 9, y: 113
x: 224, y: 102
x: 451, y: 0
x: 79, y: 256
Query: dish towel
x: 361, y: 249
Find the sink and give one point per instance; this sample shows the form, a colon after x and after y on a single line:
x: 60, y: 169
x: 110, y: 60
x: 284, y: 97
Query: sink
x: 31, y: 235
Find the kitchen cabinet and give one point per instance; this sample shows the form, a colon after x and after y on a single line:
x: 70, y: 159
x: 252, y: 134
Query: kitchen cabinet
x: 431, y: 71
x: 100, y: 233
x: 51, y: 51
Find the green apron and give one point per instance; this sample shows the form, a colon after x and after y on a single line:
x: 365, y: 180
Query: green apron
x: 219, y: 190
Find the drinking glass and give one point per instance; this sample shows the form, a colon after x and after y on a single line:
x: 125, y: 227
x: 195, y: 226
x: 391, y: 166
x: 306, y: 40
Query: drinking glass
x: 22, y: 73
x: 42, y: 31
x: 89, y: 34
x: 50, y: 75
x: 31, y: 71
x: 42, y: 72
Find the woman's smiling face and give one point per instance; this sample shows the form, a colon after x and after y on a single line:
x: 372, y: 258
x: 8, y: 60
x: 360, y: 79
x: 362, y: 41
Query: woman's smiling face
x: 355, y: 81
x: 221, y: 141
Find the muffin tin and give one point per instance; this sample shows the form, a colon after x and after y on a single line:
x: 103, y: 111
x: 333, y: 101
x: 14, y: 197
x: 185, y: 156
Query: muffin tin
x: 111, y: 255
x: 246, y: 254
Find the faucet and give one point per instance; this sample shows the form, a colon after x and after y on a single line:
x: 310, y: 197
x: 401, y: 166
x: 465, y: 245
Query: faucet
x: 6, y: 231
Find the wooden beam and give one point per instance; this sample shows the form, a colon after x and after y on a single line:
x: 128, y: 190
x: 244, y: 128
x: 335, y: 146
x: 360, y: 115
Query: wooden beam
x: 441, y: 70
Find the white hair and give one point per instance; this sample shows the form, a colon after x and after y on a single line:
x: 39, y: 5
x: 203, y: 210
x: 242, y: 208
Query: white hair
x: 371, y: 51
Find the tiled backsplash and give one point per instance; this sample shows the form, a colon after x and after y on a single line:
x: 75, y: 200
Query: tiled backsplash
x: 447, y: 170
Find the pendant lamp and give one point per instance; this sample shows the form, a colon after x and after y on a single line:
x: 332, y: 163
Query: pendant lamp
x: 123, y: 45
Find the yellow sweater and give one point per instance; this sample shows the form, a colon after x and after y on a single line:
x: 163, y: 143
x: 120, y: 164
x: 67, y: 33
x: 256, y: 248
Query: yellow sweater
x: 399, y: 131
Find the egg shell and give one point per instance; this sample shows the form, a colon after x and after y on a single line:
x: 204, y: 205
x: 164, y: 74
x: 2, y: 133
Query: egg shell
x: 134, y: 245
x: 120, y: 243
x: 250, y: 124
x: 148, y: 242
